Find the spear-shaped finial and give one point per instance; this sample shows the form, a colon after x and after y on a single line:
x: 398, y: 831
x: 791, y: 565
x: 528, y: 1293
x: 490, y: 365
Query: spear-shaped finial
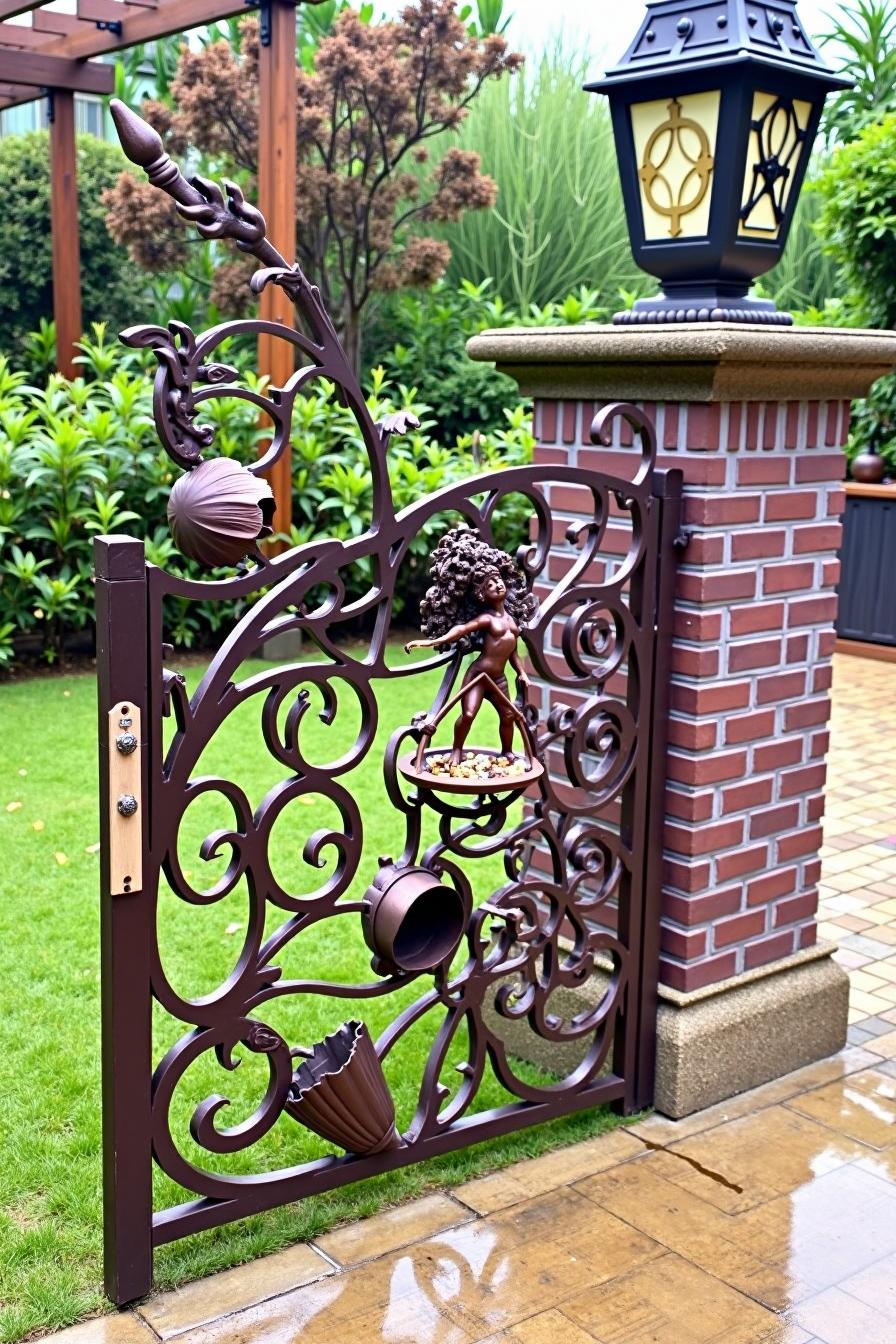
x: 140, y: 142
x: 143, y: 146
x: 199, y: 202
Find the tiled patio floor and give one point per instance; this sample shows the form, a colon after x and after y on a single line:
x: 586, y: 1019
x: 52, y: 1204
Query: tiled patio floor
x: 858, y: 892
x: 768, y: 1218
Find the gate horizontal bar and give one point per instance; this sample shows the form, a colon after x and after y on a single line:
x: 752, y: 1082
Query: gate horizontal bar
x: 256, y: 1194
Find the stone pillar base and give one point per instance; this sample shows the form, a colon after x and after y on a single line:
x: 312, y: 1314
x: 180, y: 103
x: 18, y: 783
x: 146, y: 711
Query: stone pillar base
x: 715, y: 1042
x: 283, y: 648
x: 732, y: 1036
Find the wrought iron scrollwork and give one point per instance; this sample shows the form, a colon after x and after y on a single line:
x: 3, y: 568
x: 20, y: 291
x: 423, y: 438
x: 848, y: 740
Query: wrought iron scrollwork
x: 571, y: 904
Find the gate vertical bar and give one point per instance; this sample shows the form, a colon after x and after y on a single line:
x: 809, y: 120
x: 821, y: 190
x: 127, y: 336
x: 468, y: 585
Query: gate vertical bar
x: 667, y: 487
x: 126, y: 932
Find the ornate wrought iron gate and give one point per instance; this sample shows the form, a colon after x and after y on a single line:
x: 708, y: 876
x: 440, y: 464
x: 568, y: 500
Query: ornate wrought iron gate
x: 581, y: 857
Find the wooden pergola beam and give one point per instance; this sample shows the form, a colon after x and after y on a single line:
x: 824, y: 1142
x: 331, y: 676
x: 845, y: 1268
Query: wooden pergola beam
x: 110, y: 11
x: 10, y: 9
x: 54, y: 72
x: 64, y: 225
x: 18, y: 35
x: 19, y: 93
x: 53, y: 22
x: 165, y: 19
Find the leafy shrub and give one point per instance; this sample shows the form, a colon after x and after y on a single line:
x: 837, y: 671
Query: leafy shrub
x: 559, y: 222
x: 858, y: 220
x: 862, y: 38
x: 426, y: 335
x: 26, y: 271
x: 80, y: 458
x: 858, y: 223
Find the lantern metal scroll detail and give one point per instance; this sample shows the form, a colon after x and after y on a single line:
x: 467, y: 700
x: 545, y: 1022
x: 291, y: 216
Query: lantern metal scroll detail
x: 715, y: 109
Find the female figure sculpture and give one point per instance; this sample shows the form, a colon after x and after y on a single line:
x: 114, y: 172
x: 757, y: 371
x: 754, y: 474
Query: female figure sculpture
x: 477, y: 601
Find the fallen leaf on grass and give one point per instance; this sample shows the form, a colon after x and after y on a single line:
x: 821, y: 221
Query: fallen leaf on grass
x: 23, y: 772
x: 233, y: 928
x: 93, y: 849
x: 60, y: 858
x: 13, y: 807
x: 37, y: 825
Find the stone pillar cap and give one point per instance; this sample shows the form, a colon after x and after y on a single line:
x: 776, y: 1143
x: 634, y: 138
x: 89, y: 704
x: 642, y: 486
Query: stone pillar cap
x: 701, y: 361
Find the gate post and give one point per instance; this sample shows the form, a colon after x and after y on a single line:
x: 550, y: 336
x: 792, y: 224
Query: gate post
x: 756, y: 417
x: 126, y: 916
x: 668, y: 496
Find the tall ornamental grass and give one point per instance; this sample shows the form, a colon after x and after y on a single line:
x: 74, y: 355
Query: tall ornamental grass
x: 559, y: 222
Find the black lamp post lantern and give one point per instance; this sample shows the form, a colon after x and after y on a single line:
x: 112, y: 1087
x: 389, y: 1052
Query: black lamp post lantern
x: 715, y: 110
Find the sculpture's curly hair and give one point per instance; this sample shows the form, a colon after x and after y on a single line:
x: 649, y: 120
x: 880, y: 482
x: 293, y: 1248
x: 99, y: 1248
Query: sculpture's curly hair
x: 457, y: 567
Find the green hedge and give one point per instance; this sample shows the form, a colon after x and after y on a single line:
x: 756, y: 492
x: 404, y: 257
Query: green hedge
x: 858, y: 223
x: 79, y: 458
x: 26, y: 268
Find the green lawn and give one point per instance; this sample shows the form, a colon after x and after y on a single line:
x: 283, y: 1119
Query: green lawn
x: 50, y: 1199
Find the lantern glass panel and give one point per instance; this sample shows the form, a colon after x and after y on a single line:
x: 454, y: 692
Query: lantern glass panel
x: 675, y: 143
x: 778, y: 136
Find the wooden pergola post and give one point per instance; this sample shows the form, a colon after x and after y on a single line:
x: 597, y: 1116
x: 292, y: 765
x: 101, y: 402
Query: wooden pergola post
x: 65, y: 230
x: 277, y: 202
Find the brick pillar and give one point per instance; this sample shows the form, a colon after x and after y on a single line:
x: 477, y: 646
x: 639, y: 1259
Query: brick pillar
x: 756, y: 419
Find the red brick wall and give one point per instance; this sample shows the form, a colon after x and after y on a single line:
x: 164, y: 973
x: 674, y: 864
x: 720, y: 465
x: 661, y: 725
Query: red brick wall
x: 751, y: 667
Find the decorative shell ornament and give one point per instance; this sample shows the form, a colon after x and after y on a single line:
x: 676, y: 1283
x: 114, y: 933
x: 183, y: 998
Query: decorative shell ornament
x: 218, y: 511
x: 340, y: 1092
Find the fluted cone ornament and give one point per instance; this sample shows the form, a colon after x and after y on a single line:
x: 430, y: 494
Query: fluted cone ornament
x: 218, y: 511
x: 340, y: 1092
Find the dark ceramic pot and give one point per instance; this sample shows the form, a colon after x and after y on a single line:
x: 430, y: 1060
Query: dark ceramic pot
x: 869, y: 468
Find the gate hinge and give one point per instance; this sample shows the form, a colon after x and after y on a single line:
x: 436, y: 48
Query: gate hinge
x: 125, y: 820
x: 683, y: 540
x: 110, y: 26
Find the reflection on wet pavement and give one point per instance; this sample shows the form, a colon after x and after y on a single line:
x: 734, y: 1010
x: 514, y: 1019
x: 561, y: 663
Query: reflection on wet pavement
x: 628, y: 1245
x: 769, y: 1219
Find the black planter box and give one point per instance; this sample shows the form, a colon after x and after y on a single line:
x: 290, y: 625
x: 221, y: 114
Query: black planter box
x: 868, y: 579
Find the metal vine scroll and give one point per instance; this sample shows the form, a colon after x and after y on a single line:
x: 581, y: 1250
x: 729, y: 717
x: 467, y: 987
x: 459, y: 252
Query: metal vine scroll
x: 478, y: 969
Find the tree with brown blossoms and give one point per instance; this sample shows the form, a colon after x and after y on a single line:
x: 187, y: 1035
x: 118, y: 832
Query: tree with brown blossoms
x: 377, y: 94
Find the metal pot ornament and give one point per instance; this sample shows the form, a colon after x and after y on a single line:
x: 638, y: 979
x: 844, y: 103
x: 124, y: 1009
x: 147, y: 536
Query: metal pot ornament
x: 412, y: 921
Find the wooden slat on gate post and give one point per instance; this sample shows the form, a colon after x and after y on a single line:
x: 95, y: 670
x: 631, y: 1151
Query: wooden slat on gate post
x: 126, y: 917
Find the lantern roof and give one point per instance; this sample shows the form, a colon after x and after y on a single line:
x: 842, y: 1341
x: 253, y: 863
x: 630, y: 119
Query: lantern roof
x: 680, y: 36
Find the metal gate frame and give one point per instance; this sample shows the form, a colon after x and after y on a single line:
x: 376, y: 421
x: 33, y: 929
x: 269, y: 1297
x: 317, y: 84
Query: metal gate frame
x: 583, y: 890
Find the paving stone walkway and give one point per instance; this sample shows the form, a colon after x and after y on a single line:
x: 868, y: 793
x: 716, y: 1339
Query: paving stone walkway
x: 770, y: 1218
